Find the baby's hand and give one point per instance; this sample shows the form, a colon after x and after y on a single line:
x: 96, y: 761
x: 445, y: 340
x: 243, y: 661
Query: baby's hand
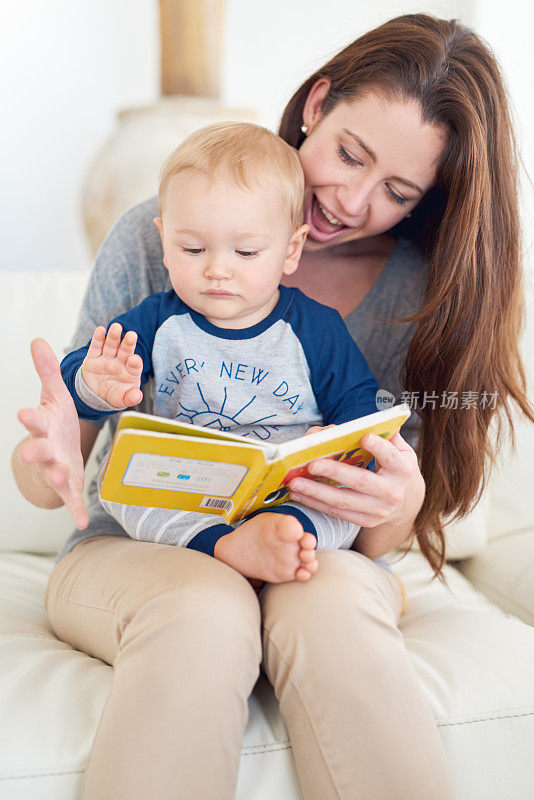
x: 112, y: 369
x: 317, y: 428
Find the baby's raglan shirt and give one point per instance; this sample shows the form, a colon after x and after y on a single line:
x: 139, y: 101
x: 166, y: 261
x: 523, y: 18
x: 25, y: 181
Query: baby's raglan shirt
x: 296, y: 368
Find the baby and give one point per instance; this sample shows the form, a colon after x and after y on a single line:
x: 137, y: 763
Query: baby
x: 228, y: 347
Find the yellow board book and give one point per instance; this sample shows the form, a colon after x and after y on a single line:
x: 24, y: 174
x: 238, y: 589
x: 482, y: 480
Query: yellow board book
x: 162, y: 463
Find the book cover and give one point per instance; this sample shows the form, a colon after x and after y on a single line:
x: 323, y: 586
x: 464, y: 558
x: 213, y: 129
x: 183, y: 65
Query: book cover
x: 163, y: 463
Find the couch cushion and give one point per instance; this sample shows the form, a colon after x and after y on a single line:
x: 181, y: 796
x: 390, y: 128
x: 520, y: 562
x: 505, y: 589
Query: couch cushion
x: 475, y: 664
x: 504, y: 571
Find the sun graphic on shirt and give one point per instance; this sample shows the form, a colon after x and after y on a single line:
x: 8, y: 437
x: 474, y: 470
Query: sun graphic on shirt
x: 217, y: 418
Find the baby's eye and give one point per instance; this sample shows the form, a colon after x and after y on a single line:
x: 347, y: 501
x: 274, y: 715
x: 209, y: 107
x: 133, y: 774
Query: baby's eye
x: 247, y: 253
x: 194, y: 251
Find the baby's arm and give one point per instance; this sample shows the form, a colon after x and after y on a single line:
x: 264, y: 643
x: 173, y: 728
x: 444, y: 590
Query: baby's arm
x: 111, y: 369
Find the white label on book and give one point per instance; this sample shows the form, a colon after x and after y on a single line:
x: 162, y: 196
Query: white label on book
x: 193, y: 475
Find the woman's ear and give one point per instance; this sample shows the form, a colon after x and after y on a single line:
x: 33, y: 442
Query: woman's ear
x: 158, y: 222
x: 311, y: 113
x: 294, y: 249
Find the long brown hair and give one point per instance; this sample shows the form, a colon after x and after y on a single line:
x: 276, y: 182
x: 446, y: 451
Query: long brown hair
x: 468, y: 328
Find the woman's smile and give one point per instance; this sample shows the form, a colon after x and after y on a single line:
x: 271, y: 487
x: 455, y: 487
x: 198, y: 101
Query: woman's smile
x: 324, y: 224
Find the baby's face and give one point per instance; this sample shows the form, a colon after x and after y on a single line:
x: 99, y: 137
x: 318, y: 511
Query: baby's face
x: 226, y: 247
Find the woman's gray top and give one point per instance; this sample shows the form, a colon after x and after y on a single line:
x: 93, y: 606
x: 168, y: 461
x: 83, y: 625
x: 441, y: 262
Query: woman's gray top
x: 129, y: 267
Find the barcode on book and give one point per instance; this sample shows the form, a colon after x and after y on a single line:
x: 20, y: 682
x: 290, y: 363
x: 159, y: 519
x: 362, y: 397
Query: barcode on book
x: 217, y: 502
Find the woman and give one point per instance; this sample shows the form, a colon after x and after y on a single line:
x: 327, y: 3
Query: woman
x: 405, y: 140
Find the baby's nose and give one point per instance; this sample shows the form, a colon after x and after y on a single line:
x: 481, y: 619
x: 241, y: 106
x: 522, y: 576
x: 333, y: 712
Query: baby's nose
x: 217, y: 269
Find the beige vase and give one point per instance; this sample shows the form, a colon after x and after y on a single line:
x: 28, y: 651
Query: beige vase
x: 126, y: 169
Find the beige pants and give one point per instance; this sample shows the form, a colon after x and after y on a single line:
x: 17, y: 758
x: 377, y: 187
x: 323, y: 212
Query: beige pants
x: 183, y: 633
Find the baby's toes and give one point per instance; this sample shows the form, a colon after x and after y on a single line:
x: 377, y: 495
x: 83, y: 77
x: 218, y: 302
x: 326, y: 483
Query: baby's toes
x: 303, y: 574
x: 308, y: 541
x: 287, y: 529
x: 312, y: 567
x: 307, y: 556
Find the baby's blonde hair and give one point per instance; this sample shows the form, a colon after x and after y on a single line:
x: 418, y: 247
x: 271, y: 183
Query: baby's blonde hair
x: 249, y: 153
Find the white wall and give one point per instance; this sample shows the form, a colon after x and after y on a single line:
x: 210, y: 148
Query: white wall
x: 67, y: 67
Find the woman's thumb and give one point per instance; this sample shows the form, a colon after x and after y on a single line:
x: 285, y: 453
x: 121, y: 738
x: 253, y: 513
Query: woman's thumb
x: 46, y: 366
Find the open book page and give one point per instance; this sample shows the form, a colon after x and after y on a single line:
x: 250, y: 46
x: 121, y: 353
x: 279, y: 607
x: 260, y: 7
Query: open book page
x: 150, y: 422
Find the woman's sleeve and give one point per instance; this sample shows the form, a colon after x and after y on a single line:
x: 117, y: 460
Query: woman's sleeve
x: 128, y: 267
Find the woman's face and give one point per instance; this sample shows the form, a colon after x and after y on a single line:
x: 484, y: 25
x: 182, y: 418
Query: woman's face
x: 367, y: 164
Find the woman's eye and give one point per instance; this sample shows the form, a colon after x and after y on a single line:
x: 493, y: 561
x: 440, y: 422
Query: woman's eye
x: 247, y: 253
x: 194, y: 251
x: 348, y: 159
x: 396, y: 197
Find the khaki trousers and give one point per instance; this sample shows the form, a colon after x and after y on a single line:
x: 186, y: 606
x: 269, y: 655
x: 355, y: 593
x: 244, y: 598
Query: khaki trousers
x: 184, y: 632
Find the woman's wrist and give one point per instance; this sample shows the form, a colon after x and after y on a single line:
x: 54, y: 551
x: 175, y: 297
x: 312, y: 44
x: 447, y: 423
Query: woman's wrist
x: 31, y: 481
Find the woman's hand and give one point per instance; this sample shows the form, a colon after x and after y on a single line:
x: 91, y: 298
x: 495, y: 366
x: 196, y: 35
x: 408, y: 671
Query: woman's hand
x: 53, y: 446
x: 384, y: 503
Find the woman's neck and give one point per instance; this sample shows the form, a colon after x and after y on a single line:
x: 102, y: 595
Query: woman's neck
x: 342, y: 276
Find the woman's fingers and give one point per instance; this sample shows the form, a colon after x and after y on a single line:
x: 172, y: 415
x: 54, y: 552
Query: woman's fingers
x: 75, y: 504
x: 58, y: 475
x: 345, y: 501
x: 356, y: 516
x: 390, y: 454
x: 35, y: 420
x: 362, y: 497
x: 37, y: 451
x: 393, y: 460
x: 355, y: 478
x: 47, y: 367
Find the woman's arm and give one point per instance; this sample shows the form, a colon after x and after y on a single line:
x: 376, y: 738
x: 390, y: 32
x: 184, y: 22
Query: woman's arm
x: 48, y: 465
x: 384, y: 503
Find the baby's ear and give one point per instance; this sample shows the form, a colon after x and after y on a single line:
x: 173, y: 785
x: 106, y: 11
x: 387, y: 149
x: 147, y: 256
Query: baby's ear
x: 294, y: 249
x: 158, y: 222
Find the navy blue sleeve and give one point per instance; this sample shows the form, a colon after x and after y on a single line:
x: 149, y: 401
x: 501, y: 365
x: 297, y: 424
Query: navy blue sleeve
x: 144, y: 319
x: 343, y: 385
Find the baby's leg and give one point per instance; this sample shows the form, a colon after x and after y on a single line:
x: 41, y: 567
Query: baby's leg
x: 168, y: 526
x: 331, y: 533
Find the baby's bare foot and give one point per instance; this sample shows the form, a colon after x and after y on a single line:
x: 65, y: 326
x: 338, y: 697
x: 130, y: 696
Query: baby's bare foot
x: 267, y: 547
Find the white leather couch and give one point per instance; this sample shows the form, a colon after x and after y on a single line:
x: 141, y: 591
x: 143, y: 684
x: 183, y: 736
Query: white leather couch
x: 472, y: 646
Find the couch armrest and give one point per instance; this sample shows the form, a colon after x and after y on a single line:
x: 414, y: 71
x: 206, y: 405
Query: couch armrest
x: 504, y: 572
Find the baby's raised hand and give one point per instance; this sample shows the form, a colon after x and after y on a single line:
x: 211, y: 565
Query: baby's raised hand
x: 112, y: 369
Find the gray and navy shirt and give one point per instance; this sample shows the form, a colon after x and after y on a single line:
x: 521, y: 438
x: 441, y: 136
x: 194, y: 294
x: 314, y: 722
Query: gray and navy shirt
x: 272, y: 381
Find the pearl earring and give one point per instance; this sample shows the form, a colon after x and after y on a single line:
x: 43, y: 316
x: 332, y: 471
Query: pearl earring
x: 304, y: 129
